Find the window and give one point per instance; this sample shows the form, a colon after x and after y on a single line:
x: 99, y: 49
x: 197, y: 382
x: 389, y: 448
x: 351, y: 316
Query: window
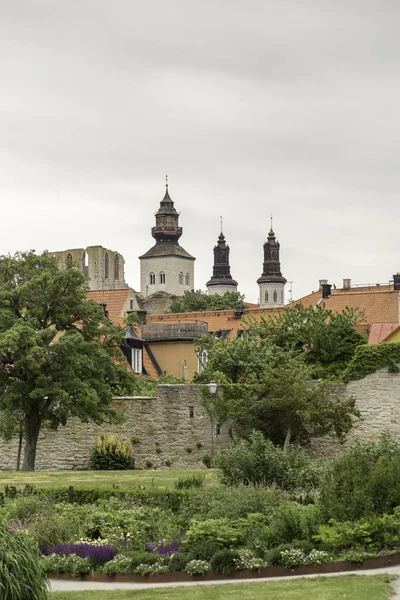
x: 275, y: 296
x: 69, y: 260
x: 266, y: 296
x: 180, y: 278
x: 217, y: 431
x: 116, y: 267
x: 162, y: 277
x: 282, y: 298
x: 106, y: 265
x: 131, y: 304
x: 187, y: 279
x: 136, y: 360
x: 191, y: 412
x: 152, y: 278
x: 84, y: 262
x: 203, y: 359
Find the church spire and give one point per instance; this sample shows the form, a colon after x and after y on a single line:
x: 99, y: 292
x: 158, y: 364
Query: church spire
x: 271, y: 283
x: 221, y: 281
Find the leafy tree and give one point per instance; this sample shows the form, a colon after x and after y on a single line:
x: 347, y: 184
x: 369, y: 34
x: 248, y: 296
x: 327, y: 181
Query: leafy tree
x: 60, y: 357
x: 199, y: 301
x: 328, y: 340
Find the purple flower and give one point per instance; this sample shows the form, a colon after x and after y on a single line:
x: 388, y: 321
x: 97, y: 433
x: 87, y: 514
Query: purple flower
x: 163, y: 548
x: 95, y: 554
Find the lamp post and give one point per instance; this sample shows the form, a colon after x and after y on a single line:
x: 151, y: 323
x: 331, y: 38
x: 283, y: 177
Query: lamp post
x: 212, y: 389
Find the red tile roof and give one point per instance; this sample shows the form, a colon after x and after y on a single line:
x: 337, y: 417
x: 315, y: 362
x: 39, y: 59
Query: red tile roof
x: 116, y: 301
x: 381, y: 331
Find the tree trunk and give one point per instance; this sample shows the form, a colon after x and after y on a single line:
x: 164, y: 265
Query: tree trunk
x: 20, y: 440
x: 32, y: 428
x: 288, y: 436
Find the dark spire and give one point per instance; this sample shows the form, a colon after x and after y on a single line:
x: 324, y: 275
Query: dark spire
x: 271, y: 266
x: 167, y: 218
x: 221, y: 270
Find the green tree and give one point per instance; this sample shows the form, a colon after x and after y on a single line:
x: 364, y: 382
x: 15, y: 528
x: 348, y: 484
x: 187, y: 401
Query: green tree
x: 59, y: 354
x: 198, y: 301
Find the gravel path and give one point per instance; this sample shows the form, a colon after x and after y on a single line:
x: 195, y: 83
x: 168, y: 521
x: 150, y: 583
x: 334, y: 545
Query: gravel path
x: 59, y: 585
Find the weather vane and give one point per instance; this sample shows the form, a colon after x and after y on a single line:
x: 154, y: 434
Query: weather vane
x: 221, y: 223
x: 166, y: 181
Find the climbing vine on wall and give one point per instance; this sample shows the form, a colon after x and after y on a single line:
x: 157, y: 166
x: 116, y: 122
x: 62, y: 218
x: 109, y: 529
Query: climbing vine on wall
x: 370, y: 358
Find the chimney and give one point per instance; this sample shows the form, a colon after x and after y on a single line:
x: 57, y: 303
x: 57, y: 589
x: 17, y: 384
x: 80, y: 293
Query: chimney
x: 347, y: 284
x: 322, y: 282
x: 396, y: 281
x: 326, y: 290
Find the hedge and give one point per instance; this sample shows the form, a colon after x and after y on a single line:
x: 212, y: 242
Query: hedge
x: 369, y: 358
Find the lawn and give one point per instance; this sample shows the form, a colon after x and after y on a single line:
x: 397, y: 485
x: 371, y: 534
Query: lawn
x: 354, y: 587
x: 103, y: 479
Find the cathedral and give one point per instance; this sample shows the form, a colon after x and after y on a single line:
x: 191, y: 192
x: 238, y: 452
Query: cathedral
x: 167, y: 269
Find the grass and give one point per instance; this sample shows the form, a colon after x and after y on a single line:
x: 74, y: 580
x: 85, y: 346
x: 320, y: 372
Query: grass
x: 352, y: 587
x: 103, y: 479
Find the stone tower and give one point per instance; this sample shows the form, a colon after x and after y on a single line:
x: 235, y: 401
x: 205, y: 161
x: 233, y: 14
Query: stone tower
x: 166, y: 267
x: 221, y: 281
x: 104, y: 269
x: 271, y: 283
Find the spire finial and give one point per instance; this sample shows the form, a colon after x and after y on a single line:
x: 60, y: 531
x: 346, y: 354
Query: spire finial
x: 166, y: 182
x: 271, y: 221
x: 221, y: 223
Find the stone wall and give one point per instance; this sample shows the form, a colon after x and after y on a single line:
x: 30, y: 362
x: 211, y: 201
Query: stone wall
x: 162, y: 422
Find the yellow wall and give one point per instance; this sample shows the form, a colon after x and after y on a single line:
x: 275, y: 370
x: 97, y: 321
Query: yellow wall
x: 177, y: 358
x: 394, y: 337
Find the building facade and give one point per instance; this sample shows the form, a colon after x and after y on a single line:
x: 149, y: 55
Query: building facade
x: 166, y: 267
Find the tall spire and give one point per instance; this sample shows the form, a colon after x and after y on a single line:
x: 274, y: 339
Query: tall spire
x: 221, y: 280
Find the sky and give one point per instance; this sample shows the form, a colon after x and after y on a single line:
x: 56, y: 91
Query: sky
x: 251, y: 107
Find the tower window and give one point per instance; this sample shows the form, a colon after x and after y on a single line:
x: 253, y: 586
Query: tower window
x: 84, y: 262
x: 162, y: 277
x: 180, y: 278
x: 187, y: 279
x: 275, y: 296
x: 266, y: 296
x: 282, y: 298
x: 106, y: 265
x: 191, y: 412
x: 217, y: 431
x: 116, y: 267
x: 152, y: 278
x: 69, y: 260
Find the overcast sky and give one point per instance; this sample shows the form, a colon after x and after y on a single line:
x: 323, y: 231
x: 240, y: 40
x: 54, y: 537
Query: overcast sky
x: 250, y: 106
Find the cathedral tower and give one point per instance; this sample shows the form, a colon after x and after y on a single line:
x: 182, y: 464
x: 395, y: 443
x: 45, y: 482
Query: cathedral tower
x: 271, y: 283
x: 221, y: 281
x: 166, y: 267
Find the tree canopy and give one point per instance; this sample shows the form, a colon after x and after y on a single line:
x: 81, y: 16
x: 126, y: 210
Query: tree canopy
x: 60, y: 356
x: 199, y: 301
x: 266, y: 374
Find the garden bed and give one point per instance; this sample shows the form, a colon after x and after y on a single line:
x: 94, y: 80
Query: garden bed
x: 178, y: 576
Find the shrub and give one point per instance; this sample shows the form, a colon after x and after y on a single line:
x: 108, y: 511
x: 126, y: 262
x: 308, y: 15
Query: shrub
x: 363, y: 480
x: 21, y: 573
x: 218, y: 531
x: 293, y: 521
x: 225, y: 561
x: 58, y: 563
x: 258, y: 462
x: 203, y: 550
x: 178, y: 561
x: 96, y: 554
x: 111, y: 454
x: 207, y: 461
x: 197, y: 567
x: 190, y: 481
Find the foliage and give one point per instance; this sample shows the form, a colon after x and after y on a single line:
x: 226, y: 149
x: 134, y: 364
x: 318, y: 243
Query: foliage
x: 258, y: 461
x: 370, y: 358
x: 73, y: 564
x: 225, y: 561
x: 111, y: 454
x: 95, y: 553
x: 178, y: 561
x: 365, y: 479
x: 21, y: 574
x: 374, y: 532
x: 296, y: 557
x: 207, y: 460
x: 190, y: 481
x: 220, y: 532
x: 197, y: 567
x: 59, y: 353
x: 199, y: 301
x: 265, y: 387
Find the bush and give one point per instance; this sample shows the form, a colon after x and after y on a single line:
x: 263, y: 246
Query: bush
x: 258, y: 462
x: 225, y: 561
x: 178, y: 561
x: 218, y: 531
x: 364, y: 480
x: 96, y: 554
x: 21, y: 574
x: 111, y: 454
x: 207, y: 461
x: 190, y: 481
